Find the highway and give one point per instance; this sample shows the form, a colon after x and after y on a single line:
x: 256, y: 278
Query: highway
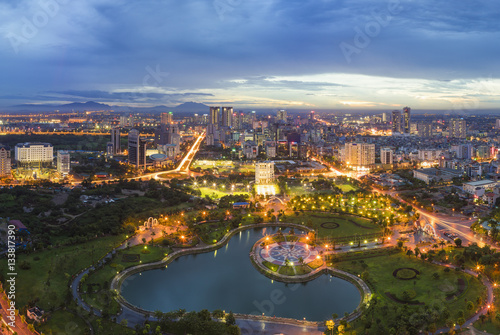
x: 457, y: 223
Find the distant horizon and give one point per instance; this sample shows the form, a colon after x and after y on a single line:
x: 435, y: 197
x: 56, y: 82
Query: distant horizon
x: 162, y: 108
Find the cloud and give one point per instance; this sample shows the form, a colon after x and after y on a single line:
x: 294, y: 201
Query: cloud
x: 101, y: 46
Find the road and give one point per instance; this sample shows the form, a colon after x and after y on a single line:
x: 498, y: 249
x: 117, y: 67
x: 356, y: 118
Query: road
x: 457, y: 224
x: 21, y: 327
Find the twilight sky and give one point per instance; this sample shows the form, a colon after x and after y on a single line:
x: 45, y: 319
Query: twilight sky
x: 317, y: 54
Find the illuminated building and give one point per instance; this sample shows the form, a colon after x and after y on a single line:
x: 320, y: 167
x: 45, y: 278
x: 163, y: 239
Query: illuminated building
x: 34, y: 154
x: 386, y: 156
x: 63, y: 162
x: 458, y: 128
x: 406, y: 120
x: 396, y: 122
x: 5, y: 162
x: 359, y: 154
x: 136, y: 149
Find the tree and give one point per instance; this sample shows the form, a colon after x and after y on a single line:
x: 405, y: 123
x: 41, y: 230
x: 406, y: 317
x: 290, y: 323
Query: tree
x: 482, y: 317
x: 458, y: 242
x: 461, y: 322
x: 442, y: 243
x: 230, y: 319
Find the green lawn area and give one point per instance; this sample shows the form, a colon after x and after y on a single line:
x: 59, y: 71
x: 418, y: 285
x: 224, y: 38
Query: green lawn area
x: 51, y: 270
x: 298, y: 190
x: 216, y: 194
x: 347, y: 224
x: 286, y: 271
x: 104, y: 327
x: 102, y: 277
x: 64, y: 322
x: 346, y: 187
x: 270, y: 266
x: 315, y: 264
x: 428, y: 289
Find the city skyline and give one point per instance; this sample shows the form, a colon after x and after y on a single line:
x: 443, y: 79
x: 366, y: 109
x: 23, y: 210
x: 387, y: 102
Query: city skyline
x: 262, y: 54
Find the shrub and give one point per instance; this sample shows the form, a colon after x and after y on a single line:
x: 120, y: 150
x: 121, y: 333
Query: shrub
x: 408, y: 294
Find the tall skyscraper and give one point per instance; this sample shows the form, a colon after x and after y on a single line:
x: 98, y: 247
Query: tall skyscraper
x: 458, y: 128
x: 406, y: 119
x: 115, y: 140
x: 136, y: 149
x: 424, y: 129
x: 5, y: 161
x: 360, y: 154
x: 281, y: 115
x: 167, y: 118
x: 312, y: 116
x: 384, y: 117
x: 396, y: 121
x: 386, y: 156
x: 227, y: 116
x: 214, y: 115
x: 63, y: 162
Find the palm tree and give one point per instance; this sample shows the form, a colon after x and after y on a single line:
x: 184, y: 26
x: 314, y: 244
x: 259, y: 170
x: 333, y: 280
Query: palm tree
x: 442, y: 243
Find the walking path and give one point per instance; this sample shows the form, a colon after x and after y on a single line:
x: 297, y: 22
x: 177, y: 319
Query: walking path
x: 254, y: 324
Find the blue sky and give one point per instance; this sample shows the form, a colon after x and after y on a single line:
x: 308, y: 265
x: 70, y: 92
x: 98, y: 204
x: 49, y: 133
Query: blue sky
x: 318, y: 54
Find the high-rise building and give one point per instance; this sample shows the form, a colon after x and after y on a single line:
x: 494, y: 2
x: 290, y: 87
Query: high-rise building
x: 63, y: 162
x: 214, y: 115
x: 406, y: 119
x: 458, y: 128
x: 386, y: 156
x: 424, y: 129
x: 360, y: 154
x: 497, y: 124
x: 384, y: 117
x: 396, y: 121
x: 34, y: 154
x: 5, y: 162
x: 167, y: 134
x: 281, y: 115
x: 167, y: 118
x: 227, y: 116
x: 115, y: 139
x: 136, y: 149
x: 264, y: 173
x: 312, y: 116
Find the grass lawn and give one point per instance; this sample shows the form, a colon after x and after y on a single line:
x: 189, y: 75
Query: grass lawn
x: 346, y: 187
x: 64, y: 322
x: 49, y: 275
x: 286, y: 271
x: 104, y: 327
x: 347, y: 224
x: 270, y: 266
x: 428, y: 290
x: 298, y: 190
x: 296, y: 270
x: 102, y: 277
x: 216, y: 194
x: 315, y: 264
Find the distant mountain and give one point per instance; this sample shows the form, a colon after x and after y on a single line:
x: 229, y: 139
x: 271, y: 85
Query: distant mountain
x: 192, y: 107
x: 187, y: 107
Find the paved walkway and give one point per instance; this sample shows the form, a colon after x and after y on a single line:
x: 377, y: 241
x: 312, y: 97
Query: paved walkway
x: 249, y: 324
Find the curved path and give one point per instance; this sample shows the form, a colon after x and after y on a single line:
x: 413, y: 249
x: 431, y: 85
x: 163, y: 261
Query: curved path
x: 249, y: 324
